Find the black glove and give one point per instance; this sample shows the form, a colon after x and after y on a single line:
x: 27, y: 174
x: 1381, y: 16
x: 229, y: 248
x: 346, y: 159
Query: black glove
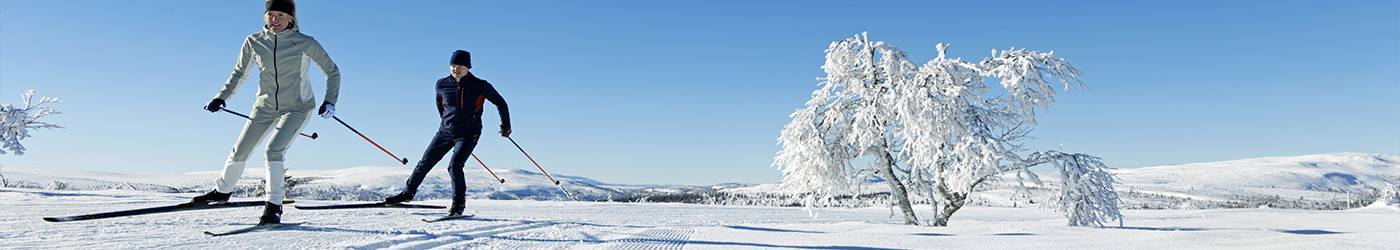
x: 505, y: 130
x: 215, y: 105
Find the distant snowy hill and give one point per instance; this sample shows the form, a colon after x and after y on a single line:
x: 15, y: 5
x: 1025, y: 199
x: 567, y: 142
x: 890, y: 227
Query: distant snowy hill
x: 1342, y: 172
x: 358, y: 183
x: 1319, y: 181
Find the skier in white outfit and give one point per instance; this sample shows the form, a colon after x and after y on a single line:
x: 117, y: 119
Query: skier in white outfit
x: 284, y: 101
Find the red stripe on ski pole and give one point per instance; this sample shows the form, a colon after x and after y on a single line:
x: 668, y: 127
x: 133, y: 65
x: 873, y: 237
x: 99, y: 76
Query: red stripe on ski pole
x: 362, y: 135
x: 488, y: 169
x: 532, y: 160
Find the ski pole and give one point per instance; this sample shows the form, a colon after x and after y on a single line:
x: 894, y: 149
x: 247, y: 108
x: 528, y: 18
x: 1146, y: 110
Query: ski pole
x: 532, y: 160
x: 362, y: 135
x: 313, y: 135
x: 537, y: 165
x: 488, y: 169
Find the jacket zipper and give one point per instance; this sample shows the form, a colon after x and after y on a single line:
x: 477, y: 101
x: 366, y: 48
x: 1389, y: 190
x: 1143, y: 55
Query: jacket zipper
x: 460, y: 103
x: 276, y: 73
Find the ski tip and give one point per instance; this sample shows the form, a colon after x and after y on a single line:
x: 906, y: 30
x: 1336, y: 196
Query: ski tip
x: 52, y: 219
x: 450, y: 217
x: 307, y: 207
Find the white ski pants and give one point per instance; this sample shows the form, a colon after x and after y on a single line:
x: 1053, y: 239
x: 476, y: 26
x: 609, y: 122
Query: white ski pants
x: 288, y: 124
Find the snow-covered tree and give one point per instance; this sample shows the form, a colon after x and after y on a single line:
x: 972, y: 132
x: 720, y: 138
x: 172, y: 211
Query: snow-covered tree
x: 939, y: 129
x: 1087, y: 196
x: 846, y: 119
x: 17, y: 121
x: 1388, y: 195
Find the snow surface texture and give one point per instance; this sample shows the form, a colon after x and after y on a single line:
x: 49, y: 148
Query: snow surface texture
x: 527, y: 224
x: 1001, y: 217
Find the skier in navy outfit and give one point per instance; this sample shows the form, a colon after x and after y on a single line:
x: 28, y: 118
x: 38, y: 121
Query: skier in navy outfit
x: 460, y: 100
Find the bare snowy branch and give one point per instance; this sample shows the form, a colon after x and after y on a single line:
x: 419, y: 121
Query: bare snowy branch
x: 17, y: 121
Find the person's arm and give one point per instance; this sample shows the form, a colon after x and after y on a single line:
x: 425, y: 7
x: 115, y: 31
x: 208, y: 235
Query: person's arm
x: 318, y: 54
x: 240, y: 70
x: 500, y: 102
x: 439, y: 101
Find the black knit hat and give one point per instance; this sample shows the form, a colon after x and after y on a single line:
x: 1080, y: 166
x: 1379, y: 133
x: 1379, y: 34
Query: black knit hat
x: 286, y: 6
x: 462, y: 57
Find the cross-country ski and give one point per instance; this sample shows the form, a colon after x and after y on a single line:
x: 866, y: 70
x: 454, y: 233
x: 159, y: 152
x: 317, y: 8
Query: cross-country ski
x: 154, y: 210
x: 368, y: 205
x: 449, y: 217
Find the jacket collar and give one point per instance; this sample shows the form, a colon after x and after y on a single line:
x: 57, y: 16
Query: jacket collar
x: 283, y: 34
x: 467, y: 77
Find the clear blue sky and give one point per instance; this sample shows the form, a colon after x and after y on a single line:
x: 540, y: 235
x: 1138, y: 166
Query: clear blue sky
x: 696, y: 92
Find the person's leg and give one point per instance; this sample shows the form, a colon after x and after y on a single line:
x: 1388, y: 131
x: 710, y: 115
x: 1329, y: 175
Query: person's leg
x: 287, y: 131
x: 253, y: 131
x: 464, y: 148
x: 288, y: 128
x: 441, y: 143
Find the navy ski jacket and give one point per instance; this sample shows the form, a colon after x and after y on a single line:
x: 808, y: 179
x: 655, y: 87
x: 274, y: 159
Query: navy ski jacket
x: 460, y: 104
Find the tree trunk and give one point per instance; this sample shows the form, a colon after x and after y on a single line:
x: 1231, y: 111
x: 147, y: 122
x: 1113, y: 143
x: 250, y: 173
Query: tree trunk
x: 897, y: 191
x: 955, y: 202
x: 942, y: 219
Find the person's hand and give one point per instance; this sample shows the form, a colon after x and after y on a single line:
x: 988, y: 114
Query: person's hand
x: 505, y: 131
x: 327, y: 110
x: 215, y: 105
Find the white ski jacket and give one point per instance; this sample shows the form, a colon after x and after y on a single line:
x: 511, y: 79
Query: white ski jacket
x: 282, y: 60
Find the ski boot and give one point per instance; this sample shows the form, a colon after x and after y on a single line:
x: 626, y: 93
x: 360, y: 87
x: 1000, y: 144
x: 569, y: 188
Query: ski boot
x: 399, y: 198
x: 456, y: 209
x: 272, y: 214
x: 214, y: 196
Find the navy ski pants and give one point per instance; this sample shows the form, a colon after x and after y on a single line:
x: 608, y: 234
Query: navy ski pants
x: 462, y: 147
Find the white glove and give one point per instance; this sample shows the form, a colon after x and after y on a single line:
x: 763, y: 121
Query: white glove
x: 327, y: 110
